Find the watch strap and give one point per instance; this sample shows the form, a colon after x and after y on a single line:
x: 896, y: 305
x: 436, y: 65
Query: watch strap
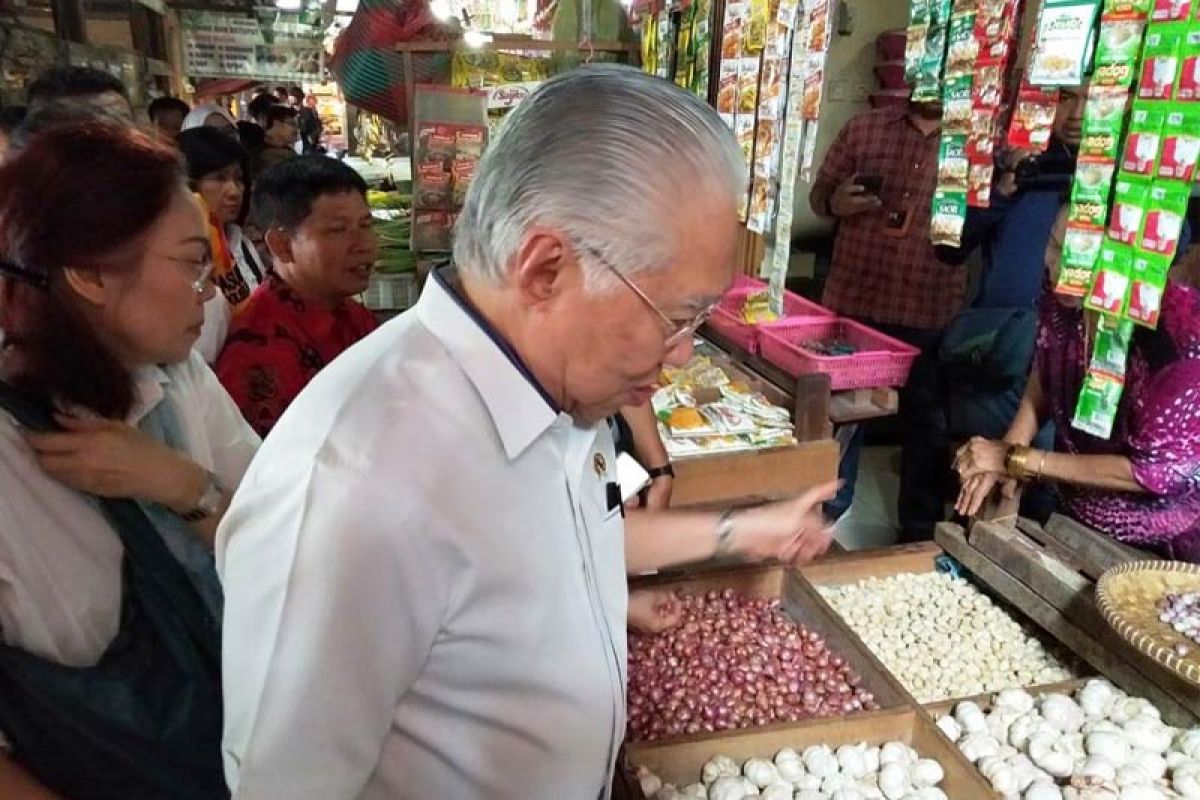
x: 209, y: 503
x: 659, y: 472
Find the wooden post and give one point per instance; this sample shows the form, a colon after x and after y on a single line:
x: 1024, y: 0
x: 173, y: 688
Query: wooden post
x: 68, y: 20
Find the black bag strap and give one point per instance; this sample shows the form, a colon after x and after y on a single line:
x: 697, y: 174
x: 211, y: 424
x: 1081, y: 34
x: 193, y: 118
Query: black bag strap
x: 143, y: 545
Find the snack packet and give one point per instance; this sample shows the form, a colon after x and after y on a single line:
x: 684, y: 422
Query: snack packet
x: 1166, y: 206
x: 1111, y: 351
x: 1032, y: 118
x: 1139, y: 8
x: 962, y: 47
x: 979, y: 185
x: 1103, y: 118
x: 1117, y: 50
x: 953, y: 165
x: 727, y: 92
x: 1160, y: 60
x: 1180, y: 144
x: 1099, y: 401
x: 956, y: 104
x: 748, y: 74
x: 1081, y: 251
x: 1142, y: 141
x: 1188, y: 87
x: 914, y: 50
x: 1064, y: 33
x: 433, y: 186
x: 1129, y: 205
x: 1089, y: 192
x: 949, y: 213
x: 1171, y: 10
x: 469, y: 141
x: 987, y: 89
x: 981, y: 143
x: 1110, y: 279
x: 1149, y: 282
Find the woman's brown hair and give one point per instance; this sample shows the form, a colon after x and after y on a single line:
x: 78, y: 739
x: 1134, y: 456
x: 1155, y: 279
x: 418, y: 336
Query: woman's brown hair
x: 82, y: 196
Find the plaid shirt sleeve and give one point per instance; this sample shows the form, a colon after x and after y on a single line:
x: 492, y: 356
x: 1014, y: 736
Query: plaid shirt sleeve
x: 840, y: 165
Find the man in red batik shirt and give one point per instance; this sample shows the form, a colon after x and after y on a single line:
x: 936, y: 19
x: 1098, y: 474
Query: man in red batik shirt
x: 323, y: 248
x: 877, y: 182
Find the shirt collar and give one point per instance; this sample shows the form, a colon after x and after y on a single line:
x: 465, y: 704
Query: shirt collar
x: 149, y: 388
x: 520, y: 407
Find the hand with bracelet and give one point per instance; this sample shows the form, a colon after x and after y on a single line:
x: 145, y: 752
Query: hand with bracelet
x: 981, y: 464
x: 662, y: 482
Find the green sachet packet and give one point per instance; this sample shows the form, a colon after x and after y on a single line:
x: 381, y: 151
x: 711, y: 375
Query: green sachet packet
x: 1111, y: 351
x: 1140, y: 153
x: 1081, y: 251
x: 1130, y: 196
x: 1099, y: 402
x: 1149, y: 283
x: 1118, y: 49
x: 1111, y: 278
x: 1090, y: 190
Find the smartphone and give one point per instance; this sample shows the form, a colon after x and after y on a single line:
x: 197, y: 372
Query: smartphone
x: 872, y: 184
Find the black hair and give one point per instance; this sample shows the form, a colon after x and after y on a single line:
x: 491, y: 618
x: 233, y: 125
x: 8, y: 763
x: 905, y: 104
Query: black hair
x: 65, y: 82
x: 161, y: 105
x: 286, y: 192
x: 252, y: 135
x: 259, y: 105
x: 61, y: 115
x: 207, y: 150
x: 278, y: 113
x: 296, y: 93
x: 11, y: 118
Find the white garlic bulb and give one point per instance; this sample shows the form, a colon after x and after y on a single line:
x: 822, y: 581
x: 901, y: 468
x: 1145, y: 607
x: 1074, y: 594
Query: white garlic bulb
x: 807, y: 781
x: 1142, y: 791
x: 1188, y: 743
x: 931, y: 793
x: 1062, y: 712
x: 1042, y: 751
x: 1043, y: 790
x: 949, y: 726
x: 760, y: 772
x: 926, y: 772
x: 1004, y: 780
x: 650, y: 783
x: 731, y: 788
x: 1149, y: 733
x: 1132, y: 774
x: 1098, y: 767
x: 694, y: 791
x: 872, y: 756
x: 719, y: 767
x: 1023, y: 728
x: 894, y: 780
x: 1017, y: 701
x: 811, y: 794
x: 894, y: 753
x: 1130, y: 707
x: 1153, y: 764
x: 777, y: 791
x: 1096, y: 698
x: 1111, y: 746
x: 1186, y: 779
x: 789, y: 765
x: 849, y: 793
x: 852, y: 760
x: 820, y: 761
x: 978, y: 745
x: 667, y: 792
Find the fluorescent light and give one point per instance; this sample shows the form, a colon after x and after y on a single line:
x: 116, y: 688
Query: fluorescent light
x: 473, y: 38
x: 442, y: 9
x: 346, y: 6
x: 289, y: 5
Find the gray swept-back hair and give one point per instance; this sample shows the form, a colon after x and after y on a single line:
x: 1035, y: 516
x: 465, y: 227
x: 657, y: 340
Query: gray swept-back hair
x: 604, y: 154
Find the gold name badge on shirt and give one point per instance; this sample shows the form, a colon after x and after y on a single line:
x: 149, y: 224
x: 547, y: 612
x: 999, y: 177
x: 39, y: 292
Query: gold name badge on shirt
x: 600, y: 465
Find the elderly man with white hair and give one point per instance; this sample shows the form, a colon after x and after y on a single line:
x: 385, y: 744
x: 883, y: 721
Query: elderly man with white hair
x: 425, y: 568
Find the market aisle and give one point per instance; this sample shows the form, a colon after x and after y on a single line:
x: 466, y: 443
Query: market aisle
x: 871, y: 521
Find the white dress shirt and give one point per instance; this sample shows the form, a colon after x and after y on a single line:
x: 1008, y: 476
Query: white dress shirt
x: 425, y: 587
x: 217, y: 311
x: 60, y: 560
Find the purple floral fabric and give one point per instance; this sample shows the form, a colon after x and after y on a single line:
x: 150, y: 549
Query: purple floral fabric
x: 1157, y: 425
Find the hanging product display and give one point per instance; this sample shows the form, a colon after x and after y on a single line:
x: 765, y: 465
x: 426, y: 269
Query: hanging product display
x: 1131, y: 188
x: 451, y: 135
x: 1063, y: 44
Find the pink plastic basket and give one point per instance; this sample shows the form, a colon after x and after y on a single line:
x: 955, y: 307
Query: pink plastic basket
x: 880, y: 360
x: 727, y: 318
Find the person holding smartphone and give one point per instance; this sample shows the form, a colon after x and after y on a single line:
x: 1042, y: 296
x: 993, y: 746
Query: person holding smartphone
x: 877, y: 183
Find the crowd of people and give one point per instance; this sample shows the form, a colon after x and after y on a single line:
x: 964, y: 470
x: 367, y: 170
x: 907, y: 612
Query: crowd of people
x: 991, y: 397
x: 233, y: 480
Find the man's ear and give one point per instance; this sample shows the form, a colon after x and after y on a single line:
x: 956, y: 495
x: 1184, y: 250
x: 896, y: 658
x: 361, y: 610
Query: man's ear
x: 543, y: 265
x: 89, y: 284
x: 279, y: 242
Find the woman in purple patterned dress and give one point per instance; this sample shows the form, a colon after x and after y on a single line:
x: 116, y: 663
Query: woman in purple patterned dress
x: 1142, y: 485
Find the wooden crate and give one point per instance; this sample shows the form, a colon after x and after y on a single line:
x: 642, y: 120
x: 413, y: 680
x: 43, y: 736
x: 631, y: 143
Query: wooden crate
x: 851, y: 567
x: 681, y: 762
x: 1049, y: 573
x: 798, y: 602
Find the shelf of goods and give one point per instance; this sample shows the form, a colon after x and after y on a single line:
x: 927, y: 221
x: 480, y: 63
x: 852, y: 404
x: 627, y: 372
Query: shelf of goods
x: 1049, y: 573
x: 972, y: 663
x: 771, y: 470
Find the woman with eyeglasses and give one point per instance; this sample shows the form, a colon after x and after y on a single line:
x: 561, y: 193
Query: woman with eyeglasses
x: 218, y: 170
x: 119, y: 450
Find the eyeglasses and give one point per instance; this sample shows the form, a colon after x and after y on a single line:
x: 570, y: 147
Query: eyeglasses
x: 202, y: 269
x: 677, y: 332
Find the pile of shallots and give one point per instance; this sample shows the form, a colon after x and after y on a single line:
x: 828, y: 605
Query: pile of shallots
x: 735, y: 662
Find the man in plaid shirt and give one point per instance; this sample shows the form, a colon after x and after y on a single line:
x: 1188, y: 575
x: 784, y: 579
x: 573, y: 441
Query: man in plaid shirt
x: 877, y: 182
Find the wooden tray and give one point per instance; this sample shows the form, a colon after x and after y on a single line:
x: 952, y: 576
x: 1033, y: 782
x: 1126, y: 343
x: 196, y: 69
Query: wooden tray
x: 1128, y: 596
x: 801, y: 603
x: 681, y: 762
x: 851, y: 567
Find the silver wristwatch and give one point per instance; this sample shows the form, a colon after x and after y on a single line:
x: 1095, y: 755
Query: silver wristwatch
x: 724, y: 531
x: 209, y: 504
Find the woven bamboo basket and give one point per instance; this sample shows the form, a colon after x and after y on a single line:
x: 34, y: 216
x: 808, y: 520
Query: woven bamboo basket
x: 1129, y: 595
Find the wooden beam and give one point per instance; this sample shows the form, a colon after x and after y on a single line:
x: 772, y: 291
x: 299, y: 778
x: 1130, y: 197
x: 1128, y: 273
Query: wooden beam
x: 69, y: 20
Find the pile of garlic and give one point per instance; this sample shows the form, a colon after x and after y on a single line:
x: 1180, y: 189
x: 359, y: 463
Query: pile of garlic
x: 1100, y: 745
x: 941, y: 637
x: 852, y: 772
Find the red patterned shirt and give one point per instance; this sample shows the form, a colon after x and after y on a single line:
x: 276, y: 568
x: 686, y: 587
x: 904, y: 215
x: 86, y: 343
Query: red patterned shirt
x: 278, y: 344
x: 890, y: 276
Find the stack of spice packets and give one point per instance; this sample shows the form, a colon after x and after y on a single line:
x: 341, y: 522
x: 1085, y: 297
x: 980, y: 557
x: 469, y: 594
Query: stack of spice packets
x: 1117, y: 252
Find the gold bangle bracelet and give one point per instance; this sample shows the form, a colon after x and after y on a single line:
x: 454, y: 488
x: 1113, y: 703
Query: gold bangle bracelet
x: 1037, y: 476
x: 1016, y: 465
